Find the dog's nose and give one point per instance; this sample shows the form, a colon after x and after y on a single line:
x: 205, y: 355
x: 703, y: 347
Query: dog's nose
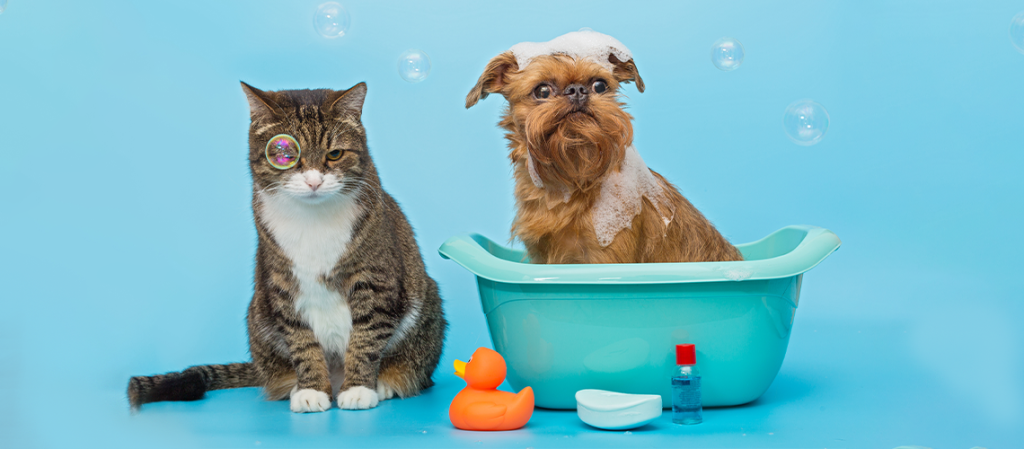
x: 576, y: 93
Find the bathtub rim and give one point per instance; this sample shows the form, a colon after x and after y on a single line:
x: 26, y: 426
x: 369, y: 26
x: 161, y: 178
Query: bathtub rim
x: 815, y: 245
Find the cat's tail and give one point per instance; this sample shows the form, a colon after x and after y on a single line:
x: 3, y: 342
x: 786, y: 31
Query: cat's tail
x: 191, y: 384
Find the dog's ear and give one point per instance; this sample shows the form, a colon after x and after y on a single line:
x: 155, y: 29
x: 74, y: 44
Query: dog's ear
x: 493, y: 78
x: 626, y: 71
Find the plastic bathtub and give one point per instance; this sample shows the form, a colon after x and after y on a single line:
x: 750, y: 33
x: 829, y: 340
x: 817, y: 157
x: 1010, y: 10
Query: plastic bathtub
x: 565, y: 328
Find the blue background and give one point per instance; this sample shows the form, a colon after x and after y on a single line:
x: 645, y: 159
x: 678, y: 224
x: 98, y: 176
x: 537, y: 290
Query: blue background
x: 128, y: 239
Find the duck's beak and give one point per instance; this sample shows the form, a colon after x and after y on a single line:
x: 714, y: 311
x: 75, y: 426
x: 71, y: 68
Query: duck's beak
x: 460, y: 368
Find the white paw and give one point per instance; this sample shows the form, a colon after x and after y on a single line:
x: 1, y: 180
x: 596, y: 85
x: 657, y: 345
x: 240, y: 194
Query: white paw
x: 384, y: 392
x: 357, y: 398
x: 309, y: 400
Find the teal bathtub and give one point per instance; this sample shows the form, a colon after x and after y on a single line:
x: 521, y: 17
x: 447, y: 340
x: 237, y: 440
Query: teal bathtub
x: 565, y: 328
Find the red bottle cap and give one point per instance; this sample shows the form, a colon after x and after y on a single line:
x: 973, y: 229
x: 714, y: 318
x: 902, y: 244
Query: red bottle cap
x: 686, y: 355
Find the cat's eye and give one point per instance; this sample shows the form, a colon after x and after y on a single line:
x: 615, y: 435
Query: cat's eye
x: 283, y: 151
x: 335, y: 154
x: 542, y: 91
x: 599, y: 86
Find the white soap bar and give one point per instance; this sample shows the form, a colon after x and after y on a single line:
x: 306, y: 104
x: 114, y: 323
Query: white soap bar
x: 617, y: 411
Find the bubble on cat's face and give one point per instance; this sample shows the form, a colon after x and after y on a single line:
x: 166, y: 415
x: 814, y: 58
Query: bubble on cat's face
x: 283, y: 151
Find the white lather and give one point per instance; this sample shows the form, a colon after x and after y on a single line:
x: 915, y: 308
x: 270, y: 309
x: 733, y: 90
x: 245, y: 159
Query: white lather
x: 581, y: 44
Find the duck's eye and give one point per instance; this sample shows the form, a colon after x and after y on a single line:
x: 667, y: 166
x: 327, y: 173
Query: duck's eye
x: 599, y: 86
x: 542, y: 91
x: 283, y: 151
x: 335, y: 154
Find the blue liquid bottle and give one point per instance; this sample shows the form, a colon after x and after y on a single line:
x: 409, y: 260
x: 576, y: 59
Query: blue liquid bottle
x: 686, y: 407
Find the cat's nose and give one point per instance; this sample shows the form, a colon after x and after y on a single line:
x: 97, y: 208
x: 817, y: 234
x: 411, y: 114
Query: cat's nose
x: 314, y: 182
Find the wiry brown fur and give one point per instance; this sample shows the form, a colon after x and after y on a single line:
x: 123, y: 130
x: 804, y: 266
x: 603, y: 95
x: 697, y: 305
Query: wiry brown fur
x: 380, y: 275
x: 573, y: 148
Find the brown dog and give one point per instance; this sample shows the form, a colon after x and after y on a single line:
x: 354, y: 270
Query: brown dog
x: 583, y: 194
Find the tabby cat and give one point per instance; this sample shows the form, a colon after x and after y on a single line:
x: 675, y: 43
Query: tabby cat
x: 343, y: 304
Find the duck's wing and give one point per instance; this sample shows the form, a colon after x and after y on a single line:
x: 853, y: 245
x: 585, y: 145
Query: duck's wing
x: 485, y: 415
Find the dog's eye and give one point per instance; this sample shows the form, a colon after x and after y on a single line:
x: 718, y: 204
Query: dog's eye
x: 335, y: 155
x: 599, y: 86
x: 542, y: 91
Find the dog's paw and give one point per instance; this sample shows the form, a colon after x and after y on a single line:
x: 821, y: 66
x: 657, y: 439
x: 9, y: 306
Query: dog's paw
x: 309, y: 400
x: 384, y: 391
x: 357, y: 398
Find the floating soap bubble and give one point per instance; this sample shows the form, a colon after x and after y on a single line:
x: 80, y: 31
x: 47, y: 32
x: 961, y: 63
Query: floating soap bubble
x: 727, y: 54
x: 3, y: 6
x: 1017, y: 31
x: 414, y: 66
x: 805, y: 122
x: 283, y: 151
x: 331, y: 20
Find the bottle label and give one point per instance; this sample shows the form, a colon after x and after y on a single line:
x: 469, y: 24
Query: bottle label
x: 686, y: 391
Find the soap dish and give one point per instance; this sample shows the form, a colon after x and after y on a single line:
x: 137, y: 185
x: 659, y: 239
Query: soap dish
x: 617, y: 411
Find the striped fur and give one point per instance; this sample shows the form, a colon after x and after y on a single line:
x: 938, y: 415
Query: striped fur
x: 343, y: 305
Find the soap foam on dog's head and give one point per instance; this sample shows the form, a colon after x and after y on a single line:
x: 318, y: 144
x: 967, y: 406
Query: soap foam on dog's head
x: 577, y: 44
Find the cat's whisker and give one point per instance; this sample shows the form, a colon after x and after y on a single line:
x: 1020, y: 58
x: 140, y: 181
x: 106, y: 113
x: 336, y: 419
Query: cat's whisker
x: 367, y: 187
x: 358, y: 193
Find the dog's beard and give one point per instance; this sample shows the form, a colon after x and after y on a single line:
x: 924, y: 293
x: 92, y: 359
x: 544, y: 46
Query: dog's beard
x: 574, y: 148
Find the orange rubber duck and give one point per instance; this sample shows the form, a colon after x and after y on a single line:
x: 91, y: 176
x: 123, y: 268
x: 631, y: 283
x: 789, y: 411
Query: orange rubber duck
x: 480, y: 406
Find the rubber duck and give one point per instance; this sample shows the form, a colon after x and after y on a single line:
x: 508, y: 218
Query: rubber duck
x: 480, y: 406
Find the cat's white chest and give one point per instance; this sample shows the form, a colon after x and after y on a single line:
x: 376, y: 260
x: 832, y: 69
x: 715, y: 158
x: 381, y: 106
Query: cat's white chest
x: 314, y: 237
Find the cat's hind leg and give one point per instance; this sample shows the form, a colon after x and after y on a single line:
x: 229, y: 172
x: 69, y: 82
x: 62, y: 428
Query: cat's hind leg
x: 384, y: 391
x: 397, y: 378
x: 408, y: 367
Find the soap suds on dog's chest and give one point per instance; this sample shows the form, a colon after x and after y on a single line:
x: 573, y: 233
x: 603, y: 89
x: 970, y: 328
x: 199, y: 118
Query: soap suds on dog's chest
x: 621, y: 198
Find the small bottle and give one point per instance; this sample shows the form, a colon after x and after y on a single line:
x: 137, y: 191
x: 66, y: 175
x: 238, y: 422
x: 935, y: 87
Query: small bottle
x: 686, y: 407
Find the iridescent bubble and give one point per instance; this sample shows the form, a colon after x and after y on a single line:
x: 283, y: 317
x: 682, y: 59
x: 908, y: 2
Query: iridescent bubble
x: 283, y: 151
x: 414, y: 66
x: 331, y: 20
x: 1017, y: 31
x: 727, y: 54
x: 805, y: 122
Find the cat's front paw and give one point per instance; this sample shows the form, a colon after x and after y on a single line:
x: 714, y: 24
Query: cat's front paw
x: 309, y: 400
x: 357, y: 398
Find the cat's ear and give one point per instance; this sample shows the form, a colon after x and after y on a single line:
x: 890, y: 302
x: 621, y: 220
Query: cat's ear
x: 260, y: 102
x: 348, y: 102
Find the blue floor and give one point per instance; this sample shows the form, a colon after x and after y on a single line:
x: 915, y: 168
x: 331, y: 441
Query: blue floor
x: 844, y: 385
